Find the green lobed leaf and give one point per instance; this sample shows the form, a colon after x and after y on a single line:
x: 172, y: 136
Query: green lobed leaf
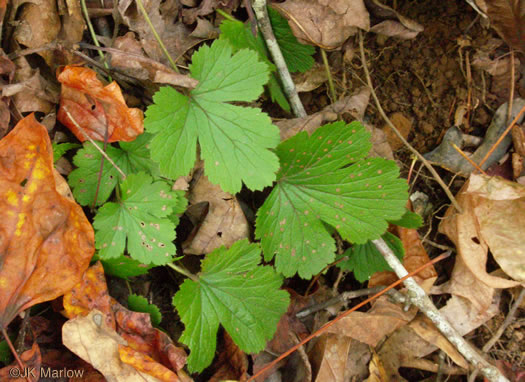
x: 236, y: 292
x: 365, y: 259
x: 409, y: 220
x: 59, y: 149
x: 298, y: 56
x: 235, y: 141
x: 325, y: 178
x: 140, y: 304
x: 139, y: 221
x: 123, y: 266
x: 240, y: 36
x: 130, y: 157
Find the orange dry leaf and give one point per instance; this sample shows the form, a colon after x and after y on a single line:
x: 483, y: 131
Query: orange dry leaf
x: 46, y: 241
x: 145, y: 348
x: 95, y: 107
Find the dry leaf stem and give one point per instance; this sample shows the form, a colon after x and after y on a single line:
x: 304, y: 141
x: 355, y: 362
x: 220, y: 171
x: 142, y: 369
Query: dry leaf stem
x: 399, y: 135
x: 259, y: 7
x: 419, y: 298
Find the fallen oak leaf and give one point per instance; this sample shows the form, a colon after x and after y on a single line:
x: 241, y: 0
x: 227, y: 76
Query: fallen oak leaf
x: 95, y: 107
x: 46, y: 240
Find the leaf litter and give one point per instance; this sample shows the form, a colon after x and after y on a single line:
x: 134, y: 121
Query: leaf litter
x: 419, y: 84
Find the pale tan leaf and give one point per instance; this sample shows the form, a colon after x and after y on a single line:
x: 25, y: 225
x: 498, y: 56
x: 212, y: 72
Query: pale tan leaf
x: 91, y: 339
x: 224, y: 223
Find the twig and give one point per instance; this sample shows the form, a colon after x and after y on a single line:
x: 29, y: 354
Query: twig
x: 345, y: 314
x: 15, y: 354
x: 419, y: 298
x: 333, y: 95
x: 345, y: 296
x: 502, y: 136
x: 157, y: 37
x: 93, y: 35
x: 259, y: 6
x: 427, y: 92
x: 501, y: 329
x: 83, y: 131
x: 465, y: 156
x: 399, y: 135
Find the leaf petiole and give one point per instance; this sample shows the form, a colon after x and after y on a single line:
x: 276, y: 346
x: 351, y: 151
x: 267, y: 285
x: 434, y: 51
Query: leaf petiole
x: 183, y: 271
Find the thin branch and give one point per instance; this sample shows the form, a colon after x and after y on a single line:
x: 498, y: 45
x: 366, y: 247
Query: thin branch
x: 419, y: 298
x: 343, y: 315
x: 15, y: 354
x: 259, y: 6
x: 396, y: 131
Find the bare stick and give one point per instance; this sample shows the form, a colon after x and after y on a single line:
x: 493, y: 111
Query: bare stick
x: 343, y: 315
x: 396, y: 131
x: 259, y: 7
x: 419, y: 298
x: 94, y: 144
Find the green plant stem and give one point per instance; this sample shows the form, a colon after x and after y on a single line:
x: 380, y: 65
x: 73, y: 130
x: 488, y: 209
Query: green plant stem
x: 157, y: 37
x: 183, y: 272
x: 333, y: 95
x: 94, y: 36
x: 227, y: 16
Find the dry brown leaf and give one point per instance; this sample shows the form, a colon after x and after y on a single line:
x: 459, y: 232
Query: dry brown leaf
x: 90, y: 338
x: 403, y: 124
x: 326, y: 23
x: 405, y: 345
x: 176, y: 37
x: 30, y: 91
x: 38, y: 24
x: 311, y: 79
x: 428, y: 331
x: 133, y: 61
x: 382, y: 319
x: 508, y: 18
x: 231, y: 364
x: 395, y: 24
x: 463, y: 283
x: 224, y: 223
x: 329, y: 357
x: 354, y: 104
x: 493, y: 218
x: 47, y: 241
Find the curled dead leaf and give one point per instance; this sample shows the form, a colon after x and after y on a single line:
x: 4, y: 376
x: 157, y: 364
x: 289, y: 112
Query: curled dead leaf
x: 492, y: 218
x: 325, y: 23
x: 46, y: 240
x: 85, y: 102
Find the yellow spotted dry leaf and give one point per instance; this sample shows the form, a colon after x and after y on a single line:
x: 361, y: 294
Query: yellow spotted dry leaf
x: 46, y: 241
